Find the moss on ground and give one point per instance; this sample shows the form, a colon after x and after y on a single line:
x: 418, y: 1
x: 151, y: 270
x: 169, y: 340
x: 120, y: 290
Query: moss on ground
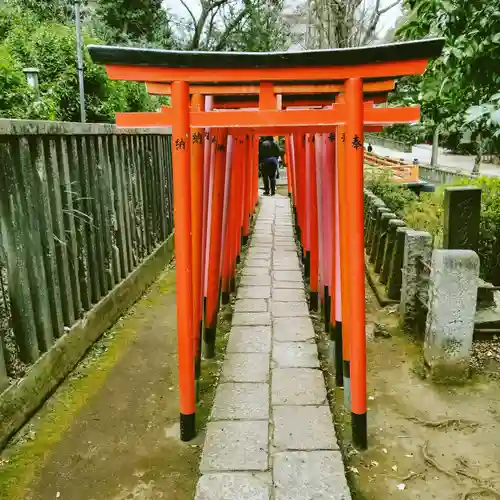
x: 32, y: 445
x: 28, y: 452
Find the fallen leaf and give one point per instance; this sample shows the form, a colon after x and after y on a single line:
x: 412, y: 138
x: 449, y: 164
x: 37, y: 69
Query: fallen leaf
x: 58, y: 494
x: 395, y: 468
x: 374, y: 463
x: 401, y: 486
x: 410, y: 455
x: 353, y: 469
x: 371, y: 398
x: 384, y: 450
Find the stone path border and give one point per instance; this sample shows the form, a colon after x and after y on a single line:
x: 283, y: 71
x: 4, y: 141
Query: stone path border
x: 270, y: 434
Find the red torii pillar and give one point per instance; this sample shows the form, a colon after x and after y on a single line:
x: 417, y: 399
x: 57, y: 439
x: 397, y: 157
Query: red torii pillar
x: 183, y: 244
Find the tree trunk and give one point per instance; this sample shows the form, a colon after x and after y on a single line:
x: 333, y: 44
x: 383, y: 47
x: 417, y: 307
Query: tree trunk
x: 435, y: 147
x: 479, y: 155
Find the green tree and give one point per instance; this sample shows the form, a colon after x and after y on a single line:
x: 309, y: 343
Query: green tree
x: 60, y: 11
x: 132, y: 21
x: 458, y: 91
x: 14, y: 92
x: 51, y: 47
x: 229, y: 25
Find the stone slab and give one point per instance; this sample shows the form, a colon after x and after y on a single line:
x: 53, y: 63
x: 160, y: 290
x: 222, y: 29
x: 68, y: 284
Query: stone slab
x: 255, y: 271
x: 259, y: 253
x: 288, y: 276
x: 286, y: 265
x: 293, y: 329
x: 250, y: 339
x: 251, y: 319
x: 284, y: 253
x: 241, y: 401
x: 290, y: 309
x: 307, y: 475
x: 264, y: 280
x: 286, y: 246
x: 286, y: 295
x: 256, y: 262
x: 295, y: 355
x: 261, y: 239
x: 245, y: 367
x: 250, y: 305
x: 298, y: 386
x: 235, y: 445
x: 303, y: 428
x: 233, y: 486
x: 288, y: 284
x: 254, y: 292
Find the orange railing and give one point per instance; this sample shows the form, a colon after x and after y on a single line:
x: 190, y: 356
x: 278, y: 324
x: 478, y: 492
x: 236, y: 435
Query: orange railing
x: 401, y: 171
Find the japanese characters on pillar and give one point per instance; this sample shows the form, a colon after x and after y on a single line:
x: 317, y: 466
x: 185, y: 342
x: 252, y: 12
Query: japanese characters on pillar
x: 183, y: 244
x: 197, y: 160
x: 352, y: 188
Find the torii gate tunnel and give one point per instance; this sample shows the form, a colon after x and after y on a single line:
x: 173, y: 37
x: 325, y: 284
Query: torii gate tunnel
x: 321, y: 101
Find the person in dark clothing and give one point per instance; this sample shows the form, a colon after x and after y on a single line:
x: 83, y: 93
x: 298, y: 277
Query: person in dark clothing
x: 269, y: 152
x: 370, y: 149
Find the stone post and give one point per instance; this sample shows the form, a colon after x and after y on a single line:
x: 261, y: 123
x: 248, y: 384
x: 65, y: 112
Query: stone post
x: 369, y: 200
x: 452, y: 307
x: 4, y: 380
x: 372, y: 218
x: 395, y: 278
x: 462, y: 214
x: 417, y: 247
x: 376, y: 232
x: 382, y: 239
x: 389, y: 247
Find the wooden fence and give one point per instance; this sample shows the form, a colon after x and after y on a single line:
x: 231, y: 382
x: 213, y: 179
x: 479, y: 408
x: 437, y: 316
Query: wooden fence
x: 81, y: 206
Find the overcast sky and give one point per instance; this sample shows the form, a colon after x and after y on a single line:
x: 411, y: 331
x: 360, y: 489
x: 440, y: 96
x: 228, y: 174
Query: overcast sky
x: 387, y: 21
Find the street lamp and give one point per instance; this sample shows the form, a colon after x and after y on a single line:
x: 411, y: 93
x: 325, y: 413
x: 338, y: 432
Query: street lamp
x: 79, y: 61
x: 32, y: 77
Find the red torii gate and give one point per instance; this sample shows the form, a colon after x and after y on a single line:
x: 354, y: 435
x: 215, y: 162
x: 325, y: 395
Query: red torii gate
x: 348, y: 68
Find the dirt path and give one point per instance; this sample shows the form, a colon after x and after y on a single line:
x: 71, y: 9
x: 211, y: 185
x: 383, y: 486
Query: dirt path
x: 111, y: 430
x: 404, y: 412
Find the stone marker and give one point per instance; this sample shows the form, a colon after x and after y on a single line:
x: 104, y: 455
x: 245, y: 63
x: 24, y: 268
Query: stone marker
x: 389, y: 247
x: 395, y: 277
x: 417, y: 245
x: 452, y: 307
x: 462, y: 214
x: 382, y: 239
x: 376, y: 232
x: 372, y: 222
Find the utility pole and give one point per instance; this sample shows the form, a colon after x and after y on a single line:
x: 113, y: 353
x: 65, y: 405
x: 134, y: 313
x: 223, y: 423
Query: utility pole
x: 79, y: 61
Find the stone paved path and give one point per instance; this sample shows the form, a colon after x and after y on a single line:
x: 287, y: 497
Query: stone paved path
x: 271, y: 435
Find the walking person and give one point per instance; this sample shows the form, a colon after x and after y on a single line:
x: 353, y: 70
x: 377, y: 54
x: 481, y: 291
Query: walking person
x: 269, y: 152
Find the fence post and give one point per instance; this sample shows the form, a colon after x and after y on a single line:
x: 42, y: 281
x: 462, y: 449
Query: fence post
x: 417, y: 244
x: 372, y: 218
x: 452, y: 307
x: 4, y: 380
x: 382, y: 239
x: 376, y: 232
x: 389, y: 248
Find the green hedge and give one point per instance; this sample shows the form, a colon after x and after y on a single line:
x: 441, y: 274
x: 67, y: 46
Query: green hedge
x: 426, y: 213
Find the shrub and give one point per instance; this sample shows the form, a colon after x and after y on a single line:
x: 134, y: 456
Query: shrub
x: 426, y: 213
x: 489, y: 228
x: 26, y: 41
x: 395, y: 196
